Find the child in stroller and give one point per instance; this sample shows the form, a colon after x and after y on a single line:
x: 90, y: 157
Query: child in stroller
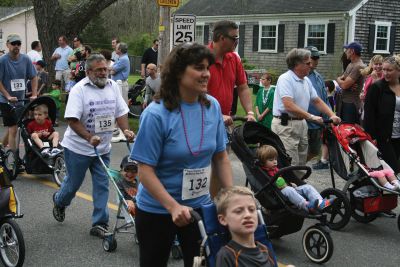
x: 305, y: 196
x: 41, y: 129
x: 128, y: 185
x: 237, y: 209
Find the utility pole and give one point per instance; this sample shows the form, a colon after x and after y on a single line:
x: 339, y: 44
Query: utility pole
x: 164, y: 34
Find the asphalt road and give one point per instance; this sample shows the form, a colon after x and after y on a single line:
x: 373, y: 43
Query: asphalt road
x: 49, y: 243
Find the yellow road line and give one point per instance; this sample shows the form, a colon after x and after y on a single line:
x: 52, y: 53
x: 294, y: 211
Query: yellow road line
x: 78, y: 194
x: 84, y: 196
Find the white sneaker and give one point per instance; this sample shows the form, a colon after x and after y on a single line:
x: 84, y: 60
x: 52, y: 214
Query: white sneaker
x: 55, y: 151
x: 45, y: 151
x: 119, y: 138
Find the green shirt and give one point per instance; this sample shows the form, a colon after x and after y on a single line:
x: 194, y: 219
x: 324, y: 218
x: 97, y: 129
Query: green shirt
x: 55, y: 94
x: 264, y: 100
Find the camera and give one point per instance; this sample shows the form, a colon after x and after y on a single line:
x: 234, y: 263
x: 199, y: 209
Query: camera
x: 284, y: 119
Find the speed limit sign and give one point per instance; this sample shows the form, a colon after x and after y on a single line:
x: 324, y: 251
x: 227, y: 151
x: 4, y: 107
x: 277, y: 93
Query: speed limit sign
x: 184, y: 29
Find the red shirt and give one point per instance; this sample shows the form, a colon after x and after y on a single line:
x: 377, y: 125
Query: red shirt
x: 223, y: 78
x: 34, y: 127
x: 271, y: 171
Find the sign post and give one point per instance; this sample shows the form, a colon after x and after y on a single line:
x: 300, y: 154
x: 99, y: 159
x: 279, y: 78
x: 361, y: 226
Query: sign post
x: 184, y: 29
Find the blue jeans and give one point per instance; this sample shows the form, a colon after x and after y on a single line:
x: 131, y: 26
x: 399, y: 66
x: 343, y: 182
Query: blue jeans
x: 77, y: 165
x: 301, y: 194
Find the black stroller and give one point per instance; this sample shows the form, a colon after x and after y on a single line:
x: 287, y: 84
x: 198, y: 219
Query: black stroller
x: 33, y: 161
x: 136, y: 98
x: 280, y: 216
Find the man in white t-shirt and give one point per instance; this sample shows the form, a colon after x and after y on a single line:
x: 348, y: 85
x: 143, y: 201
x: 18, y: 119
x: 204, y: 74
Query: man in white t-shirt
x: 93, y: 107
x: 34, y: 54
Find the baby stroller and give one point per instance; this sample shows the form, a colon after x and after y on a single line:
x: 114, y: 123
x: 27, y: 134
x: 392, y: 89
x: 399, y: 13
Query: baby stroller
x: 214, y: 235
x: 125, y: 222
x: 136, y: 98
x: 280, y: 215
x: 352, y: 155
x: 33, y: 161
x: 12, y: 245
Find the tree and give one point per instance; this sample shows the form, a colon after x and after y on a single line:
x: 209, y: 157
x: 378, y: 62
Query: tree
x: 53, y: 20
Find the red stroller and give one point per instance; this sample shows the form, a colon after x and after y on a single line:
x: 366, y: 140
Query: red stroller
x: 353, y: 155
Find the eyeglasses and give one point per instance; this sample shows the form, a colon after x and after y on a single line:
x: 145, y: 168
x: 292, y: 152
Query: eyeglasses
x: 16, y: 43
x: 233, y: 38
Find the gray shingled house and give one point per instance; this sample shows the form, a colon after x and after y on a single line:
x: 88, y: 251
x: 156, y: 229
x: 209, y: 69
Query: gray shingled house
x: 270, y: 28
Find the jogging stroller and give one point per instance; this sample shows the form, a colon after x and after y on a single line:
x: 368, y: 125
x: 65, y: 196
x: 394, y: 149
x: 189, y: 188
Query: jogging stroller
x: 136, y: 98
x: 214, y: 235
x: 280, y: 215
x: 33, y: 161
x: 353, y: 155
x: 12, y: 245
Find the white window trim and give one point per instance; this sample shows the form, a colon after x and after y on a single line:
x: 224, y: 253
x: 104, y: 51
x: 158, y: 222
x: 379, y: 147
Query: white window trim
x: 325, y: 37
x: 268, y: 23
x: 202, y: 25
x: 386, y: 24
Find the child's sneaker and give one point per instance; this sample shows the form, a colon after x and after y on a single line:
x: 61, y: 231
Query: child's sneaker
x: 326, y: 203
x: 312, y: 206
x: 55, y: 151
x: 45, y: 151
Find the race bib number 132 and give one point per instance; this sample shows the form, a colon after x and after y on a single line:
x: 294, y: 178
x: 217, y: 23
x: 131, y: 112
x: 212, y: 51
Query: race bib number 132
x: 196, y: 182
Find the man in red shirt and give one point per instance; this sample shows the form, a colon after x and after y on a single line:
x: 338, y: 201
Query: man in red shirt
x: 225, y: 74
x: 228, y: 71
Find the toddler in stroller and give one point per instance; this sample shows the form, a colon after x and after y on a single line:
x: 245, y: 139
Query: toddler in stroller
x: 41, y: 129
x: 128, y: 185
x: 305, y: 196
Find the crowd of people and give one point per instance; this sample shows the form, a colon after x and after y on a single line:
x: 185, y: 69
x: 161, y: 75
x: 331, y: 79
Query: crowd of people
x: 180, y: 154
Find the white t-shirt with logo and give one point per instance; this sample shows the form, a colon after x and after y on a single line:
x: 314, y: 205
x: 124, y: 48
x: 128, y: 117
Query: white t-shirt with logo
x: 96, y: 109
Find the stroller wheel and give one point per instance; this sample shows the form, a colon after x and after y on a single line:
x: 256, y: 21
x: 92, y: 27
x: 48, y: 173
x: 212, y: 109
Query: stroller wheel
x: 12, y: 245
x: 60, y: 170
x: 109, y: 243
x: 317, y: 244
x: 362, y: 217
x: 176, y: 252
x: 339, y: 213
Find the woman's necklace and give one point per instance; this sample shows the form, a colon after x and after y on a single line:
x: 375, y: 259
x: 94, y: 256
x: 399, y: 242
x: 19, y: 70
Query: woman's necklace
x: 194, y: 153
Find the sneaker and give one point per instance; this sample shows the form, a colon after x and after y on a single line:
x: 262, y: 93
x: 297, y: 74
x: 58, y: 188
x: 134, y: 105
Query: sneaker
x: 55, y: 151
x: 312, y: 206
x: 45, y: 151
x: 320, y: 165
x: 58, y: 212
x: 99, y: 230
x: 326, y: 203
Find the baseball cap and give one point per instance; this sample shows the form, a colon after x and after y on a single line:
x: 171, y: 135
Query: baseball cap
x: 127, y: 163
x: 41, y: 63
x: 354, y: 45
x: 314, y: 51
x: 13, y: 38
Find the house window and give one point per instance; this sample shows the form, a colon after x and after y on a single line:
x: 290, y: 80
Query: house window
x: 268, y: 37
x: 199, y: 34
x: 382, y: 37
x: 316, y: 36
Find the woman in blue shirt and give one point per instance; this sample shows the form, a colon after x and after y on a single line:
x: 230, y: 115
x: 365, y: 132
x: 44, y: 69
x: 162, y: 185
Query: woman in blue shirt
x: 180, y: 134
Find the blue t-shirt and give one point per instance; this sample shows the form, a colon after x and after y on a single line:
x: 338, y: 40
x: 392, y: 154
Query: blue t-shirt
x: 161, y: 143
x: 290, y: 85
x: 62, y: 62
x: 121, y: 68
x: 10, y: 70
x: 319, y: 85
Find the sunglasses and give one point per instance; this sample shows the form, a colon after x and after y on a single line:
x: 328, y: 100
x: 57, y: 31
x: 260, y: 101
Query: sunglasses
x: 233, y: 38
x: 16, y: 43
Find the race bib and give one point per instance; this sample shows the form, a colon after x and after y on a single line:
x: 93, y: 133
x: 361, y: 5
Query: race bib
x: 103, y: 123
x: 17, y: 85
x: 196, y: 182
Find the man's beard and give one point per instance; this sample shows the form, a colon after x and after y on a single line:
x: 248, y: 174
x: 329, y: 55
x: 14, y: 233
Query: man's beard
x: 100, y: 82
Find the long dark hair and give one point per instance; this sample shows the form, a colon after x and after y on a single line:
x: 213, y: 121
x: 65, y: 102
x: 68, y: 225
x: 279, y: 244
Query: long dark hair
x: 175, y: 65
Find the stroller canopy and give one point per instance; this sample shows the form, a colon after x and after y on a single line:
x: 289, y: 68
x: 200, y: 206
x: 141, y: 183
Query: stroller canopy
x: 347, y: 134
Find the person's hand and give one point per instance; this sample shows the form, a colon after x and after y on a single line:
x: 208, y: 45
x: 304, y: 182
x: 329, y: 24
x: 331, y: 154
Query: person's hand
x: 129, y: 134
x: 181, y: 215
x: 131, y: 206
x: 142, y: 74
x: 45, y: 134
x: 144, y: 105
x: 317, y: 119
x: 12, y: 99
x: 335, y: 119
x: 261, y: 117
x: 32, y: 97
x: 95, y: 140
x: 250, y: 116
x: 227, y: 120
x: 57, y: 56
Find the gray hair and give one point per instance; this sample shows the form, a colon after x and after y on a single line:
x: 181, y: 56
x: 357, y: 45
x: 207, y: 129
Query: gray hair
x: 296, y: 56
x: 95, y: 57
x: 123, y: 47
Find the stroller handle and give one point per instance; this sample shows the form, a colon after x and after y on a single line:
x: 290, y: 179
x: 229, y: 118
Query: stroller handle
x: 239, y: 118
x: 284, y: 170
x: 195, y: 216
